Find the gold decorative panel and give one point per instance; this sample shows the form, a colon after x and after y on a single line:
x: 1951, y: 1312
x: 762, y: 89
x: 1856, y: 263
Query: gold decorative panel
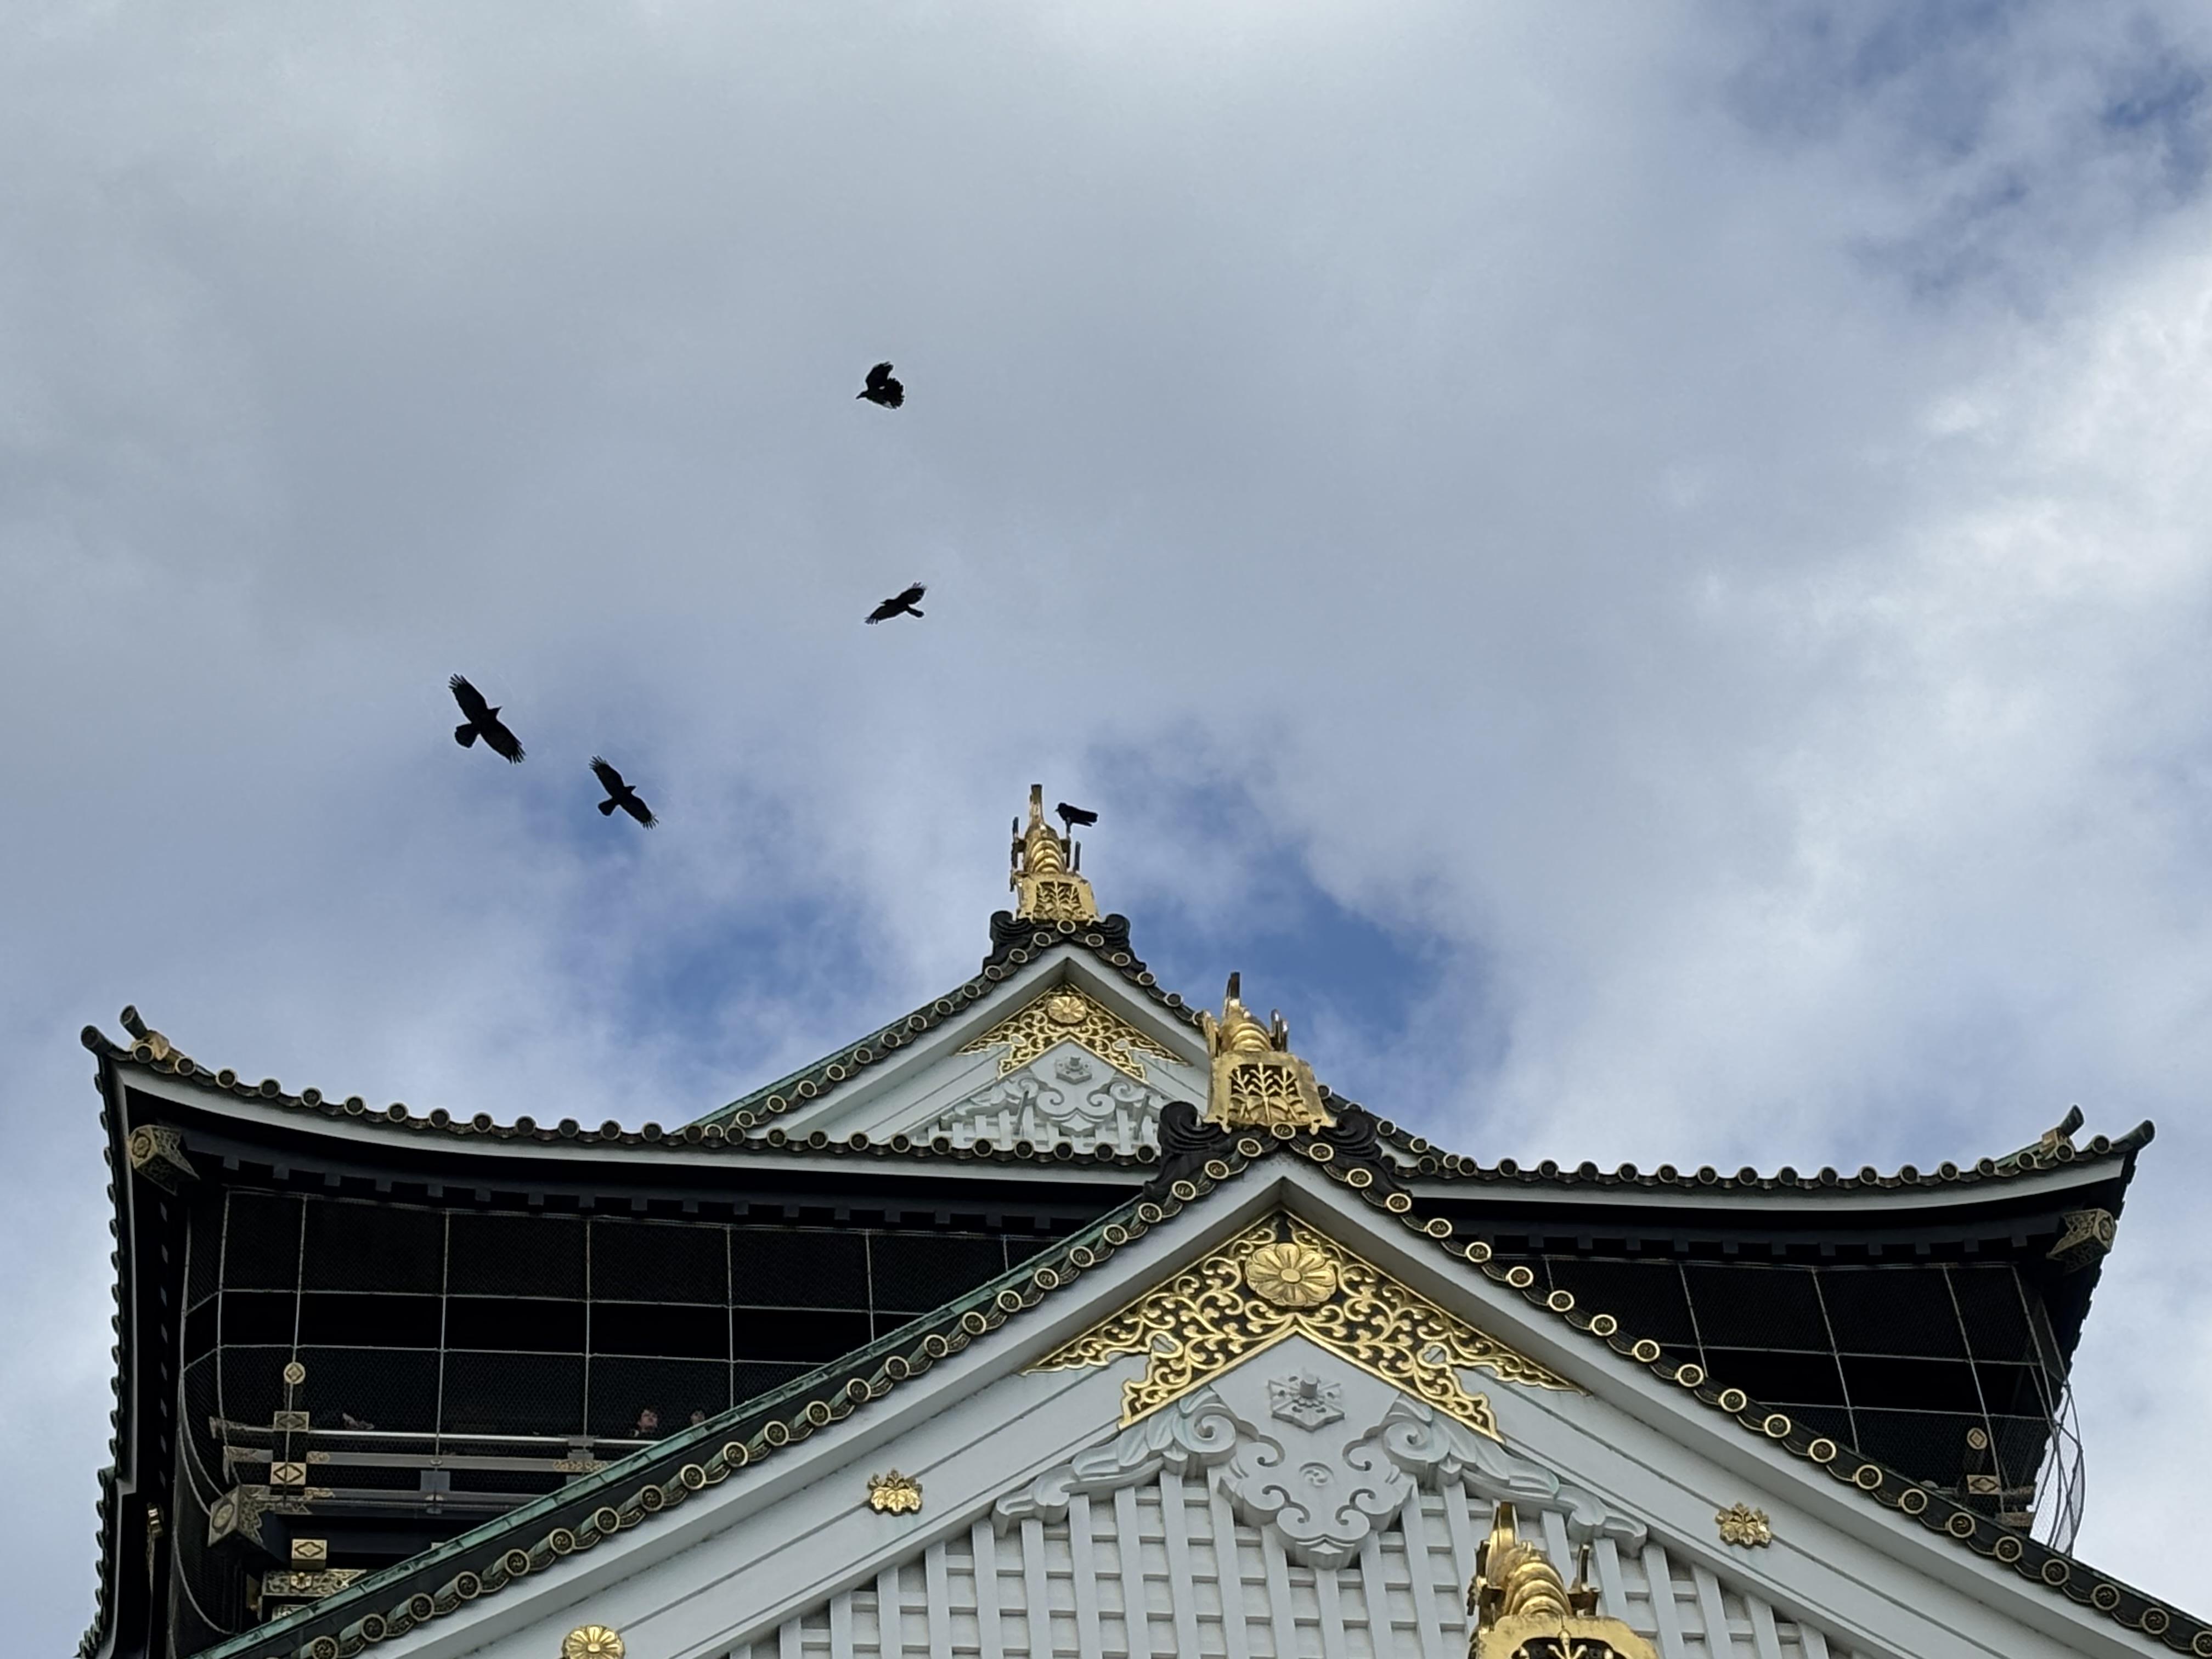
x: 301, y: 1584
x: 1068, y: 1016
x: 1283, y: 1278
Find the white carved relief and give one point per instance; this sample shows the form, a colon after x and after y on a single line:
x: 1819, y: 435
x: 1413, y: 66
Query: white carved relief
x: 1065, y: 1095
x: 1323, y: 1460
x: 1303, y: 1398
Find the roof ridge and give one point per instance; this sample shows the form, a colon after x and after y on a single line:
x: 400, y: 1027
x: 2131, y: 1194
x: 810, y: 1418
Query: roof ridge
x: 2034, y: 1160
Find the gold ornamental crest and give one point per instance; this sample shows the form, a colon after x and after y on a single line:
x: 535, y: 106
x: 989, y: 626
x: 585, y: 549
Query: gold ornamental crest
x: 1257, y: 1083
x: 1291, y: 1275
x: 592, y: 1642
x: 1283, y: 1278
x: 894, y: 1494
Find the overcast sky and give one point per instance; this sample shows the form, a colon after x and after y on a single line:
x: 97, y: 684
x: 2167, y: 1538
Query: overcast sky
x: 1644, y: 571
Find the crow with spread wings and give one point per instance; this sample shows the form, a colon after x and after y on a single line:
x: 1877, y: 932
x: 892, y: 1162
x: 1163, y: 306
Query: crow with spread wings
x: 483, y: 721
x: 621, y: 795
x: 899, y: 604
x: 882, y: 389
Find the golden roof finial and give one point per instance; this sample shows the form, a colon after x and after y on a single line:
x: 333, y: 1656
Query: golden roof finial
x: 1045, y: 877
x: 1523, y: 1608
x: 1257, y: 1081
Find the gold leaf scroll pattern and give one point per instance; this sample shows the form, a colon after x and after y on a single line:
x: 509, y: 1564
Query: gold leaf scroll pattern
x: 1255, y: 1292
x: 1066, y: 1015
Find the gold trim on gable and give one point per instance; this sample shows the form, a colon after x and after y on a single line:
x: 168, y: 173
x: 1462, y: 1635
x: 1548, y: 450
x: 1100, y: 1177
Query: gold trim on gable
x: 1283, y: 1278
x: 1064, y: 1014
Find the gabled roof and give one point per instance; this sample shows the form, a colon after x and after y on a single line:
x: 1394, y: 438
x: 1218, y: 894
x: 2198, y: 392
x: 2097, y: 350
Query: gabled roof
x: 1015, y: 945
x: 1200, y: 1162
x: 746, y: 1124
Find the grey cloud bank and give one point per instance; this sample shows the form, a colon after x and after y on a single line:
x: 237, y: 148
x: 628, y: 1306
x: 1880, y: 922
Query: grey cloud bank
x: 1693, y: 527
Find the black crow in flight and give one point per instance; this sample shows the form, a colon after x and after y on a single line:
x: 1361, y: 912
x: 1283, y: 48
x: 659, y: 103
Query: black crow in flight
x: 621, y: 795
x: 881, y: 388
x: 484, y: 722
x: 899, y: 604
x: 1071, y: 816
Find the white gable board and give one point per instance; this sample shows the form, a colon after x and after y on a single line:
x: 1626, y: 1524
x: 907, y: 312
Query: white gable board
x: 1259, y: 1517
x: 1069, y: 1093
x: 1198, y: 1580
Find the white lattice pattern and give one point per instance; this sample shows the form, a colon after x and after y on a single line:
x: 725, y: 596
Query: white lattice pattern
x: 1164, y: 1570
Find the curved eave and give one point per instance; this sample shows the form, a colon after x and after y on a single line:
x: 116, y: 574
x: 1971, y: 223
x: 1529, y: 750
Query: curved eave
x: 1447, y: 1177
x: 98, y: 1636
x: 1433, y: 1166
x: 241, y: 1120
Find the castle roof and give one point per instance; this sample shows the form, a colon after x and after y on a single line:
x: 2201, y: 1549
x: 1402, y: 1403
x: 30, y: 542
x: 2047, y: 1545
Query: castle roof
x: 859, y: 1142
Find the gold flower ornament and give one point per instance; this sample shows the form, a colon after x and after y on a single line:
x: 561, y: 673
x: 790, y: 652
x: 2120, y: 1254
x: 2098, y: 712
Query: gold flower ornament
x: 1291, y: 1274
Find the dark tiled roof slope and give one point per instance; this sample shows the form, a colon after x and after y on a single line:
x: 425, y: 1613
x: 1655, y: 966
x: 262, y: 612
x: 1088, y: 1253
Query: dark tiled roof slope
x: 2052, y: 1151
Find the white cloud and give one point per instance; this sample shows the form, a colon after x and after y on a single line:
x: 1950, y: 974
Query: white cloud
x: 1699, y: 521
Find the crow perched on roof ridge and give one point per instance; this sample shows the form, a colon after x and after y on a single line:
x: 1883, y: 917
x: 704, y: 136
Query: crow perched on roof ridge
x: 620, y: 794
x: 899, y: 604
x: 882, y: 389
x: 1071, y: 816
x: 483, y: 721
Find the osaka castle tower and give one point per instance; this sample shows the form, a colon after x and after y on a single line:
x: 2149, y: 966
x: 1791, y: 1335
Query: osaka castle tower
x: 1062, y: 1318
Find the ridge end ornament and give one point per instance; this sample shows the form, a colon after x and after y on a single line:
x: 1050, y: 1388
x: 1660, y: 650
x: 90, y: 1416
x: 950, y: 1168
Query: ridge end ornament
x: 1281, y: 1278
x: 2088, y: 1237
x: 1045, y: 877
x: 157, y: 1153
x: 1257, y: 1082
x: 1523, y: 1608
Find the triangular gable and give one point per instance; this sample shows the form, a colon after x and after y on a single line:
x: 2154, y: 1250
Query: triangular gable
x: 1063, y: 1050
x: 747, y: 1553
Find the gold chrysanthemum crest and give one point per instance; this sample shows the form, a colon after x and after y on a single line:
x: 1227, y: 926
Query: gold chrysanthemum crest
x: 592, y: 1642
x: 1282, y: 1279
x: 1066, y: 1015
